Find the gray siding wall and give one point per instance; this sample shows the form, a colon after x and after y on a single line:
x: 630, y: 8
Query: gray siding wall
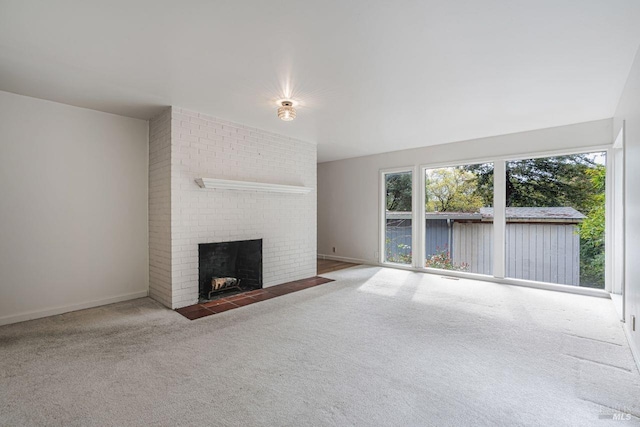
x: 398, y: 239
x: 437, y: 236
x: 473, y: 246
x: 541, y: 252
x: 399, y: 234
x: 544, y: 252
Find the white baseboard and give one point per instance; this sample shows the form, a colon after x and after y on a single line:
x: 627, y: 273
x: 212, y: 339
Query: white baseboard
x: 15, y: 318
x: 347, y: 259
x: 617, y: 304
x: 634, y: 351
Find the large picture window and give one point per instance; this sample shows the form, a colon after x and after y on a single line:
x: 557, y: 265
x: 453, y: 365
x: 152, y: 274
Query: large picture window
x: 538, y: 219
x: 459, y: 218
x: 555, y: 219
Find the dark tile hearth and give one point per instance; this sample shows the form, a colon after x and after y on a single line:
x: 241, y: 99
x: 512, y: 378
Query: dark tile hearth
x: 221, y: 305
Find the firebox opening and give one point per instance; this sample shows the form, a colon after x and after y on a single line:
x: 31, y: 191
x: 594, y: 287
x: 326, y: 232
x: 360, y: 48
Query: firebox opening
x: 229, y: 267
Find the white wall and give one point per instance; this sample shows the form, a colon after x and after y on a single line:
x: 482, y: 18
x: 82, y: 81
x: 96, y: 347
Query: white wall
x: 73, y: 208
x: 629, y: 111
x: 348, y: 209
x: 205, y: 146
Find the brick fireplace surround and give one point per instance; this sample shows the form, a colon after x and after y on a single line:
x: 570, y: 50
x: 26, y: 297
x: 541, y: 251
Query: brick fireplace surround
x: 184, y: 146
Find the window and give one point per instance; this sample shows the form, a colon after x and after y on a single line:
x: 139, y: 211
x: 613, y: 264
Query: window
x: 459, y: 218
x: 539, y: 219
x: 398, y: 213
x: 555, y: 219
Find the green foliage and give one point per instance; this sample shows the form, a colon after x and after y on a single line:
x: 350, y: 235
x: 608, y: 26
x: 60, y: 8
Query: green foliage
x: 452, y: 189
x: 541, y: 182
x: 484, y: 181
x: 550, y: 181
x: 402, y: 257
x: 592, y: 232
x: 398, y: 187
x: 592, y: 227
x: 442, y: 259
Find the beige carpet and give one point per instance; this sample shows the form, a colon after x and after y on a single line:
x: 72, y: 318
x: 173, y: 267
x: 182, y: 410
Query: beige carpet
x: 377, y: 347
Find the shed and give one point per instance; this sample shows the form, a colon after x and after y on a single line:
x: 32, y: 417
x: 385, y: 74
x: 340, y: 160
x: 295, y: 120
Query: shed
x: 543, y: 243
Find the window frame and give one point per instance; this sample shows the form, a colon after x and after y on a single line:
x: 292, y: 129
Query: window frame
x: 499, y: 205
x: 608, y: 195
x: 382, y: 217
x: 422, y: 215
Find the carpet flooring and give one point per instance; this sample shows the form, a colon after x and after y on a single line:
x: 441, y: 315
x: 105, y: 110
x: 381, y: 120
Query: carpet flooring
x: 377, y: 347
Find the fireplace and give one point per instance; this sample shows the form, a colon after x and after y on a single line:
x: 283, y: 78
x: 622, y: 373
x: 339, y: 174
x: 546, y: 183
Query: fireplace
x: 229, y: 266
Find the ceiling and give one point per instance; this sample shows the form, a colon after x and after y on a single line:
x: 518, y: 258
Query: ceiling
x: 369, y: 76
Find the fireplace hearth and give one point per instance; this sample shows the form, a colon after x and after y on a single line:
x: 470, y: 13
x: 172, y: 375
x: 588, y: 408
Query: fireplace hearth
x: 229, y: 267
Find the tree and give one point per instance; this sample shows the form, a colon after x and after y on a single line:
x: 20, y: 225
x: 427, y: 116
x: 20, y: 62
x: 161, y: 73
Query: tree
x: 399, y: 192
x: 592, y: 232
x: 542, y: 182
x: 484, y: 181
x: 452, y: 190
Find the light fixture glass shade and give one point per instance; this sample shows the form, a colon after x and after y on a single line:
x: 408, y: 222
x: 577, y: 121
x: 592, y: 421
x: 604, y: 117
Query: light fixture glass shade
x: 287, y: 112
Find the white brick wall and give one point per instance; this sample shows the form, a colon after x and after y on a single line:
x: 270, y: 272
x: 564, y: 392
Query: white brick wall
x: 203, y: 146
x: 160, y: 207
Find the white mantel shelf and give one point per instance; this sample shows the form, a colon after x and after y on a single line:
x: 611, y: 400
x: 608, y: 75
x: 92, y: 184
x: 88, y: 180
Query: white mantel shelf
x: 227, y: 184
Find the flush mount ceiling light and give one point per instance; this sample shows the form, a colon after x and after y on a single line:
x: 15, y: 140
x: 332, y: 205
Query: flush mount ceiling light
x: 287, y: 112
